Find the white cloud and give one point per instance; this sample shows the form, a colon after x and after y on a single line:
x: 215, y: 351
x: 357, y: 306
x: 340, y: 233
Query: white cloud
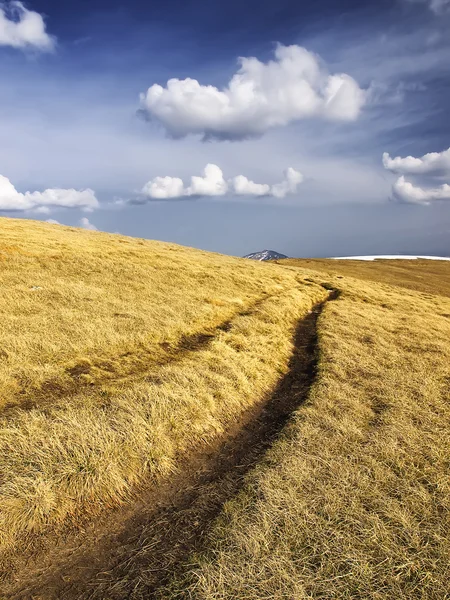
x: 213, y: 184
x: 11, y: 199
x: 260, y: 96
x: 23, y: 28
x: 292, y: 179
x: 86, y: 224
x: 164, y: 187
x: 431, y: 163
x: 404, y: 191
x: 53, y: 222
x: 431, y: 166
x: 245, y: 187
x: 242, y: 186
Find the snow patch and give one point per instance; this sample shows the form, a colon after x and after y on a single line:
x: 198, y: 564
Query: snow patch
x: 390, y: 257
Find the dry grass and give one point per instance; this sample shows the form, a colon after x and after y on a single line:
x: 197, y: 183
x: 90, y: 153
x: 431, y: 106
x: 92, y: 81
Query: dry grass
x: 122, y: 364
x: 131, y: 354
x: 428, y: 276
x: 353, y: 502
x: 107, y: 306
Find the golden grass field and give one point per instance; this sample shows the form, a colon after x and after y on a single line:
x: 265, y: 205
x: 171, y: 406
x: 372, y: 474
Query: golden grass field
x: 132, y: 354
x: 100, y: 386
x: 427, y: 276
x: 353, y: 501
x: 107, y: 305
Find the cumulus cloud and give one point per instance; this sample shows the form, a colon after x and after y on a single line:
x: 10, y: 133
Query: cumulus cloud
x: 405, y: 191
x: 433, y: 163
x: 164, y: 187
x: 245, y: 187
x: 23, y: 28
x: 213, y: 183
x: 295, y: 85
x: 53, y: 222
x: 11, y: 199
x: 86, y: 224
x: 429, y: 167
x: 242, y: 186
x: 292, y: 179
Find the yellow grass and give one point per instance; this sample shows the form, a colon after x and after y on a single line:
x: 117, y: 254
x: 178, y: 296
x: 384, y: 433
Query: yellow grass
x: 103, y: 372
x: 353, y: 502
x: 107, y: 305
x: 428, y: 276
x: 118, y: 356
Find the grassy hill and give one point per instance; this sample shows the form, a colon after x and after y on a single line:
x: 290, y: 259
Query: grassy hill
x: 118, y: 355
x: 353, y: 500
x: 181, y: 424
x: 428, y: 276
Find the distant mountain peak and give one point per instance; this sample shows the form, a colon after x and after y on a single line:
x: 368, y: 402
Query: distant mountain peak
x: 266, y: 255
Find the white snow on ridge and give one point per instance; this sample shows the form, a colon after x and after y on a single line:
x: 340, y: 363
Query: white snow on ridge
x: 389, y: 257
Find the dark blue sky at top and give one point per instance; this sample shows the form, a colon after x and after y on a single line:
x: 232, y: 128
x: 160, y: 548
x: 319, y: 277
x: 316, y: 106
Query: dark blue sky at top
x: 180, y: 33
x: 70, y: 119
x: 245, y: 22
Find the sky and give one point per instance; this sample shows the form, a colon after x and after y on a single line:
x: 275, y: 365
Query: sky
x: 313, y: 129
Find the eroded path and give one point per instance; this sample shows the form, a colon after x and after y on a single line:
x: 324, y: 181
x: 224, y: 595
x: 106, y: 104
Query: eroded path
x: 135, y: 550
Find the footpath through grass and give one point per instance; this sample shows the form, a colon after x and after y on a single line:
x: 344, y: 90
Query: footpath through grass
x: 121, y: 357
x: 353, y: 502
x: 129, y: 354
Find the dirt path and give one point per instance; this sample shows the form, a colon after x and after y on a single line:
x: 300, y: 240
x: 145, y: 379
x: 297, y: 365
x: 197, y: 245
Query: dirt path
x: 135, y: 550
x: 137, y: 365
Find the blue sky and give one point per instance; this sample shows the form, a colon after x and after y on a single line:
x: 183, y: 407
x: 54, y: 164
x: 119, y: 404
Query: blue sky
x: 92, y: 130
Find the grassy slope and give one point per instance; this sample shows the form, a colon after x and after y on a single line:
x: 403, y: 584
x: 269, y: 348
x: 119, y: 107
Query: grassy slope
x: 124, y: 360
x: 428, y: 276
x: 107, y: 304
x: 133, y: 352
x: 353, y: 500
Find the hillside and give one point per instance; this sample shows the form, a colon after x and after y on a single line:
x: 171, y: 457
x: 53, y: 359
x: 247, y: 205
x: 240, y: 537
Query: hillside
x: 181, y: 424
x: 352, y: 501
x: 429, y: 276
x: 92, y: 307
x: 118, y: 357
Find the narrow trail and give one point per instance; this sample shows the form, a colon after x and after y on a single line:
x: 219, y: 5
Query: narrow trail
x: 142, y: 365
x: 138, y: 549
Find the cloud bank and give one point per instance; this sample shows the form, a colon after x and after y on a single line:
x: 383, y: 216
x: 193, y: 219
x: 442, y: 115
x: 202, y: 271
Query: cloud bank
x: 212, y: 183
x: 295, y: 85
x: 433, y: 163
x: 12, y: 200
x: 23, y: 28
x: 432, y: 166
x: 405, y: 191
